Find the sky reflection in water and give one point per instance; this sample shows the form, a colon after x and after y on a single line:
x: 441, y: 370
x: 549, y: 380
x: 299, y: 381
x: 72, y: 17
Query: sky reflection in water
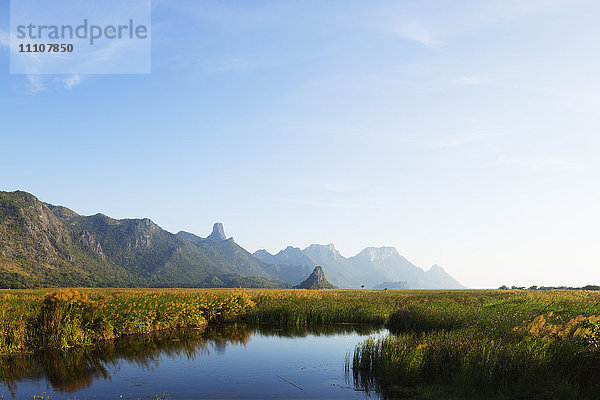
x: 221, y: 362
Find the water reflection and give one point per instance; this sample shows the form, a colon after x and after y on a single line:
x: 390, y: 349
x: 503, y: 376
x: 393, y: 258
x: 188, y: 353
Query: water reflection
x: 76, y: 369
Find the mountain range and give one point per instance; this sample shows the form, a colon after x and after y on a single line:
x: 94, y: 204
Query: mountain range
x: 46, y: 245
x: 371, y: 267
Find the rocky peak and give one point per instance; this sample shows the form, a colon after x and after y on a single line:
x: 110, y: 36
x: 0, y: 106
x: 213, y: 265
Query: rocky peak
x: 218, y: 233
x: 147, y: 222
x: 325, y: 249
x: 63, y: 212
x: 437, y: 270
x: 262, y: 253
x: 140, y: 232
x: 289, y: 252
x: 379, y: 253
x: 318, y: 273
x: 29, y: 228
x: 89, y: 240
x: 316, y: 280
x: 145, y: 226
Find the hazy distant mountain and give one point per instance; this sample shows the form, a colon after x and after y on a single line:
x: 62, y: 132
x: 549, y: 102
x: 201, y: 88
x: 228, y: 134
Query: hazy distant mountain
x: 442, y: 279
x: 265, y: 256
x: 384, y: 264
x: 240, y: 261
x: 316, y: 280
x: 392, y: 285
x: 370, y: 267
x: 46, y: 245
x: 290, y: 256
x: 340, y: 270
x: 292, y: 264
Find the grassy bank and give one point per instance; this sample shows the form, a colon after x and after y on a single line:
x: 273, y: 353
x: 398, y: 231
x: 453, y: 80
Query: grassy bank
x: 503, y: 345
x: 36, y: 319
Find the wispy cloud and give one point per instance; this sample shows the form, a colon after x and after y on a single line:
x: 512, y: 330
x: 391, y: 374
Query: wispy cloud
x: 417, y: 32
x: 72, y: 81
x: 36, y: 83
x: 39, y: 83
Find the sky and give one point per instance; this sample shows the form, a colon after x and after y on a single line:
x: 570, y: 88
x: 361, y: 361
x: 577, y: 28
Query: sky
x: 464, y: 133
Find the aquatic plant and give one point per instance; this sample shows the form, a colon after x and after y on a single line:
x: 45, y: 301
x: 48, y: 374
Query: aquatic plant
x: 520, y: 346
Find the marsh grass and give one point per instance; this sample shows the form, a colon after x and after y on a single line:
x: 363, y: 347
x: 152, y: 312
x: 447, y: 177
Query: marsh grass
x: 305, y: 308
x: 62, y: 319
x: 444, y: 344
x: 487, y: 345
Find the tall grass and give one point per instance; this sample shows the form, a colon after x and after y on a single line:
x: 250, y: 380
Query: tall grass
x: 66, y: 318
x: 305, y: 308
x: 487, y: 345
x: 470, y: 344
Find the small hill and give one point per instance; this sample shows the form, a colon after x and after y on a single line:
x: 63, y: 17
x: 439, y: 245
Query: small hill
x: 316, y: 280
x: 392, y: 285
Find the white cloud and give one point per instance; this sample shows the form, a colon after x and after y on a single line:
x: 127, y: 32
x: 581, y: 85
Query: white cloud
x: 72, y: 81
x: 36, y: 83
x: 415, y: 31
x: 40, y: 83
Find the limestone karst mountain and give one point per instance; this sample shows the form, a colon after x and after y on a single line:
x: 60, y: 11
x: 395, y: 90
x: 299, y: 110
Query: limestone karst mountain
x: 316, y: 280
x: 46, y: 245
x: 218, y: 232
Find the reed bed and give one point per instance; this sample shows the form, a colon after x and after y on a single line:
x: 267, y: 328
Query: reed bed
x: 505, y: 345
x: 443, y: 344
x: 66, y: 318
x: 305, y: 308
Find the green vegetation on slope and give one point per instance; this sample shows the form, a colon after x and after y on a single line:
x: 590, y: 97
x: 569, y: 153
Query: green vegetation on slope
x: 51, y: 246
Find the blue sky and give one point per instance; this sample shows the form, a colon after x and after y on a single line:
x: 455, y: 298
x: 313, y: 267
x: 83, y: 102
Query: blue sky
x: 464, y: 133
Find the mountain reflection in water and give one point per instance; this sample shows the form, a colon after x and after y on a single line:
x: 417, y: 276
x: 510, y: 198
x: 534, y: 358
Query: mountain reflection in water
x: 76, y: 369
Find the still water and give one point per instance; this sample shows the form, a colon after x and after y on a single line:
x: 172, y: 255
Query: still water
x: 233, y: 361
